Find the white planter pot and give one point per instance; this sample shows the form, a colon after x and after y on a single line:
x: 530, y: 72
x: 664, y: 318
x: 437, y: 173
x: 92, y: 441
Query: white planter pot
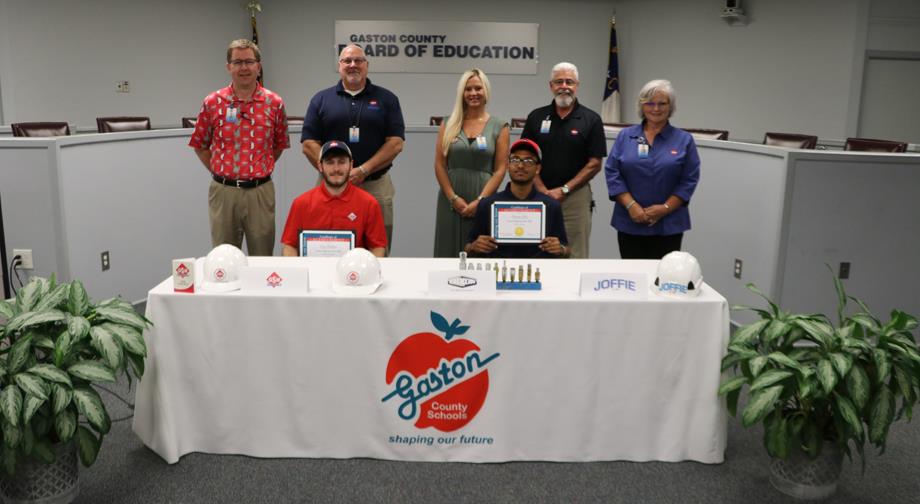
x: 38, y: 483
x: 804, y: 478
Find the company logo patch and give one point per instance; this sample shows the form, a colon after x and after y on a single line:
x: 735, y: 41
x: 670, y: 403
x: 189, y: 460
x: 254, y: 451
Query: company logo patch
x: 574, y: 132
x: 274, y: 280
x: 352, y: 216
x: 461, y: 281
x: 352, y: 278
x: 439, y: 382
x: 673, y: 152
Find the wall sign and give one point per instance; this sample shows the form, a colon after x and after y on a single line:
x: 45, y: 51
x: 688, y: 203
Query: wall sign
x: 443, y: 46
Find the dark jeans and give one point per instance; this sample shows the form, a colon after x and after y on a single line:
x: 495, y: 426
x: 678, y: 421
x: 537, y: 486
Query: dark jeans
x: 647, y: 247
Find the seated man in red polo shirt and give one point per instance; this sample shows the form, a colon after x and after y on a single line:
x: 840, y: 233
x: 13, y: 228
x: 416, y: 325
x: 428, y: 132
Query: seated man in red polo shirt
x: 336, y: 205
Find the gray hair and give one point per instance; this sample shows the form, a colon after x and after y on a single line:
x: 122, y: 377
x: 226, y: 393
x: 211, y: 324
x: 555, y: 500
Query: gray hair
x: 650, y: 89
x: 564, y: 66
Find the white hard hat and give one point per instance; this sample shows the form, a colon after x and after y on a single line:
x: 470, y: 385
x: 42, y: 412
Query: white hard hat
x: 679, y: 275
x: 222, y: 268
x: 357, y: 273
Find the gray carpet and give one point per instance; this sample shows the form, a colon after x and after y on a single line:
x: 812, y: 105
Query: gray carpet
x: 128, y: 472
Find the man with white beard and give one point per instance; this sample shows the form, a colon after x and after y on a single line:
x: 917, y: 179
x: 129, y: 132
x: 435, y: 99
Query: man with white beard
x: 571, y: 138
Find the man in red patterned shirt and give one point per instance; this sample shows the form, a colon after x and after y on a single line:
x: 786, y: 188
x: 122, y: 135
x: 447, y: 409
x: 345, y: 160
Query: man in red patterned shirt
x: 240, y: 133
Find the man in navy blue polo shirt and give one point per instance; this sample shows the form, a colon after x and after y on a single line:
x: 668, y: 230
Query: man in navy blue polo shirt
x: 369, y: 118
x: 523, y: 168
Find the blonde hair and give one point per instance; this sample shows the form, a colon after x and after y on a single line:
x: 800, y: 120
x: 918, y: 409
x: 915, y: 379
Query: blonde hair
x: 454, y: 122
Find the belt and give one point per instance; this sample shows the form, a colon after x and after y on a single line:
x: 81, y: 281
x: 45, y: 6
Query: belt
x: 242, y: 184
x: 379, y: 173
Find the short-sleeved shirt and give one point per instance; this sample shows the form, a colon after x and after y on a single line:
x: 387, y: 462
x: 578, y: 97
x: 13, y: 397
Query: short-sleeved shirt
x: 672, y: 166
x: 568, y: 144
x: 555, y: 224
x: 242, y: 135
x: 353, y: 210
x: 375, y: 111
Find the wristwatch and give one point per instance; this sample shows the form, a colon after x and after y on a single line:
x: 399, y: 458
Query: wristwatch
x: 565, y: 189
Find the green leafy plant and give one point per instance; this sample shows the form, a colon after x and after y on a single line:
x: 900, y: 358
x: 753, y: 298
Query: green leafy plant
x: 812, y: 382
x: 54, y: 344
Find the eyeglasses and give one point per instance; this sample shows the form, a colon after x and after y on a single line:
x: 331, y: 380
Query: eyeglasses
x: 567, y: 82
x: 528, y: 162
x: 356, y: 61
x: 663, y: 104
x: 239, y: 63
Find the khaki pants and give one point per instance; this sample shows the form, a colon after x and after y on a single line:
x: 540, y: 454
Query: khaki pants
x: 382, y: 189
x: 236, y: 212
x: 576, y: 209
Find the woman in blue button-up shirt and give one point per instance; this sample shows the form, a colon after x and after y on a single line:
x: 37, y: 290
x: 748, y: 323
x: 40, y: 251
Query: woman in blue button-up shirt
x: 652, y: 171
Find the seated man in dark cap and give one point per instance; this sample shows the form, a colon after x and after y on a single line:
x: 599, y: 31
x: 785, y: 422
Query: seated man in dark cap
x: 336, y: 205
x: 523, y: 168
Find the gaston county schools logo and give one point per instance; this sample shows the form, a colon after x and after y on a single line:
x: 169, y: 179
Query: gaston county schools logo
x: 438, y: 382
x: 274, y: 280
x: 182, y: 270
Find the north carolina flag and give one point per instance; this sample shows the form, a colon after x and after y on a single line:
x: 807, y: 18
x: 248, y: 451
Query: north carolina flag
x: 610, y: 112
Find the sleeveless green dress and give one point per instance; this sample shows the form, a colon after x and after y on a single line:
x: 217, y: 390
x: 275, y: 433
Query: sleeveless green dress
x: 469, y: 168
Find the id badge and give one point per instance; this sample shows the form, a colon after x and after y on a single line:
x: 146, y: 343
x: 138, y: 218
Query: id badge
x: 481, y: 143
x: 544, y: 126
x: 354, y: 134
x: 642, y: 151
x: 232, y: 115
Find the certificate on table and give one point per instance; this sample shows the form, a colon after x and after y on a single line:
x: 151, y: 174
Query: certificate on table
x: 518, y: 221
x: 325, y: 243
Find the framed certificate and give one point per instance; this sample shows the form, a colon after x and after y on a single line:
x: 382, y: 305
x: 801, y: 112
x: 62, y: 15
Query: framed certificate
x: 325, y: 243
x: 518, y: 221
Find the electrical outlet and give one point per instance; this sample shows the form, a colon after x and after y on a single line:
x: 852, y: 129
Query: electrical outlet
x: 25, y: 257
x: 123, y: 87
x: 844, y: 271
x: 105, y: 261
x: 737, y: 270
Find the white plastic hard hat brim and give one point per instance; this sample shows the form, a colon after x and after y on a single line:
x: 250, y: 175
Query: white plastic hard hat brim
x: 355, y: 290
x: 221, y: 286
x: 695, y: 292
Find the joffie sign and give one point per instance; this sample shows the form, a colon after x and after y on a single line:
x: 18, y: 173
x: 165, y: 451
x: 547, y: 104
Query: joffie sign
x: 443, y: 46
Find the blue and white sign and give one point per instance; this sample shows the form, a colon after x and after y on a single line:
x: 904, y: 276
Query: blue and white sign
x: 615, y: 285
x: 443, y: 46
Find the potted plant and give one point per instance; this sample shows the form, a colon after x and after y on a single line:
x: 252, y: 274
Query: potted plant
x: 820, y: 389
x: 54, y: 344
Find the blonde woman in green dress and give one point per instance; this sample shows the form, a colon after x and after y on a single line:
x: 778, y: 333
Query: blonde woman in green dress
x: 471, y: 157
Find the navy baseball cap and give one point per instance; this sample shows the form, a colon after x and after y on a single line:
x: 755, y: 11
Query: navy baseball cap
x: 334, y: 146
x: 527, y: 144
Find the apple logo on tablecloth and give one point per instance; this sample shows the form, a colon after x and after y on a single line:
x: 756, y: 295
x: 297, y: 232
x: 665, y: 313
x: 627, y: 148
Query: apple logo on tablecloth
x: 442, y: 381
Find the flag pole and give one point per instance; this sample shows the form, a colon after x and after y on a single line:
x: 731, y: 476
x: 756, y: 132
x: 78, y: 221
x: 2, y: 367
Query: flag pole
x: 254, y: 6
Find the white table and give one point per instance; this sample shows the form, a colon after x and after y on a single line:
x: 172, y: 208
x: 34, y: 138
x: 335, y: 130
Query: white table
x: 304, y: 375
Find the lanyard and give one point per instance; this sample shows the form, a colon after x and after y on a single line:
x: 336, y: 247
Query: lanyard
x: 355, y: 121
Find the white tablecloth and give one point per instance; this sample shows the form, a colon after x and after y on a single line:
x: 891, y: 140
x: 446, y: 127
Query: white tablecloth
x: 575, y: 379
